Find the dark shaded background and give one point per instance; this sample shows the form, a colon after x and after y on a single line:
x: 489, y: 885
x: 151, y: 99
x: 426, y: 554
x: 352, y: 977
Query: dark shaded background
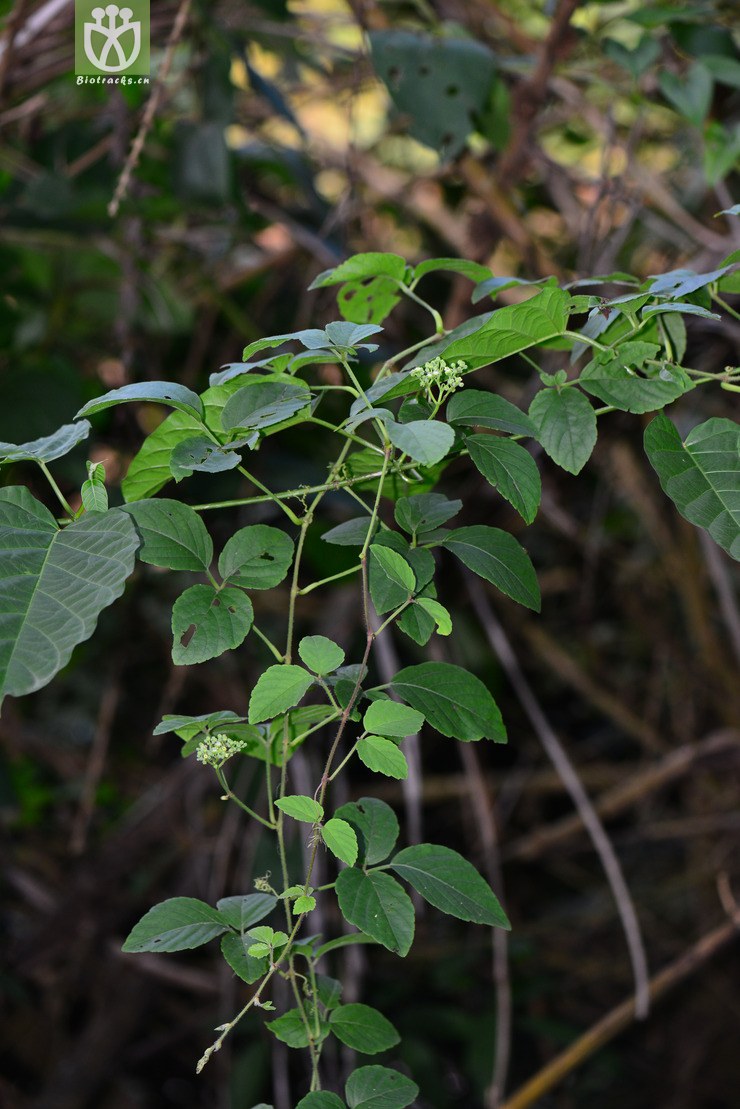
x: 273, y: 154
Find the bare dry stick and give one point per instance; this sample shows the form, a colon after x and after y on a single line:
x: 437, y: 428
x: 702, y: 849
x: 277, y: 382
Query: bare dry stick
x: 619, y: 1019
x: 150, y: 111
x: 560, y: 760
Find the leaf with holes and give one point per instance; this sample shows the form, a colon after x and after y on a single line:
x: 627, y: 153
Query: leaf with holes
x: 376, y: 825
x: 496, y: 555
x: 701, y: 475
x: 178, y: 924
x: 150, y: 392
x: 449, y: 882
x: 277, y: 690
x: 510, y: 469
x: 566, y: 426
x: 256, y: 557
x: 379, y: 1088
x: 201, y: 454
x: 340, y: 838
x: 48, y: 448
x: 208, y: 621
x: 453, y: 701
x: 172, y: 534
x: 363, y: 1029
x: 361, y: 267
x: 377, y: 905
x: 368, y: 301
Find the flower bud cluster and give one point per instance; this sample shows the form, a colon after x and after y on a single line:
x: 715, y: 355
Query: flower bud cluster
x: 438, y: 374
x: 214, y: 750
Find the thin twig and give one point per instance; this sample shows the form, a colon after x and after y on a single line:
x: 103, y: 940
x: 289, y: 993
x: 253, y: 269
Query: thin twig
x: 561, y: 761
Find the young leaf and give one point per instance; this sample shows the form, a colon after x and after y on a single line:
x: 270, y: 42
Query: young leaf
x: 53, y: 585
x: 278, y: 689
x: 425, y: 512
x: 391, y: 578
x: 244, y: 965
x: 172, y: 535
x: 392, y: 718
x: 438, y: 613
x: 473, y: 408
x: 176, y: 925
x: 566, y: 426
x: 383, y: 756
x: 202, y: 454
x: 363, y: 1029
x: 379, y: 1088
x: 246, y: 910
x: 453, y: 701
x: 256, y: 557
x: 352, y: 533
x: 321, y: 1099
x: 340, y: 838
x: 153, y: 392
x: 510, y: 469
x: 301, y: 808
x: 426, y: 441
x: 450, y: 883
x: 48, y: 448
x: 320, y: 654
x: 701, y: 475
x: 304, y: 904
x: 93, y: 492
x: 496, y: 555
x: 376, y: 824
x: 216, y: 620
x: 291, y: 1030
x: 377, y: 904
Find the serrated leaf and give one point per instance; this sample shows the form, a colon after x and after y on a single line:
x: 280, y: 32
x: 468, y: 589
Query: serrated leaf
x: 377, y: 904
x: 256, y: 557
x: 151, y: 392
x: 201, y: 454
x: 172, y: 534
x: 426, y: 441
x: 566, y: 426
x: 449, y: 882
x: 496, y: 555
x: 363, y: 1028
x: 208, y: 621
x: 49, y: 447
x: 320, y: 654
x: 474, y: 408
x: 244, y: 965
x: 277, y: 690
x: 362, y: 266
x: 452, y: 700
x: 383, y: 756
x: 376, y: 824
x: 510, y: 469
x: 701, y: 475
x: 392, y: 718
x: 54, y: 584
x: 425, y: 512
x: 391, y: 578
x: 178, y: 924
x: 379, y: 1088
x: 304, y: 904
x: 245, y: 910
x: 301, y: 808
x: 512, y: 329
x: 340, y: 838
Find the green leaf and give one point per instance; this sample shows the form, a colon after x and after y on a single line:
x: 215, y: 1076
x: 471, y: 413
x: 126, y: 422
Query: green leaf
x: 340, y: 838
x: 256, y: 557
x: 202, y: 454
x: 426, y: 441
x: 690, y: 93
x: 48, y: 448
x: 376, y: 824
x: 383, y: 756
x: 245, y: 910
x: 379, y: 1088
x: 611, y: 377
x: 347, y: 940
x: 188, y: 726
x: 512, y: 329
x: 685, y: 309
x: 391, y: 578
x: 304, y: 904
x: 425, y: 512
x: 496, y: 555
x: 301, y: 808
x: 510, y: 469
x: 453, y: 701
x: 321, y: 1099
x: 329, y: 990
x: 474, y: 270
x: 172, y: 534
x: 450, y: 883
x: 391, y: 718
x: 320, y: 654
x: 291, y: 1030
x: 438, y: 613
x: 262, y: 404
x: 566, y: 426
x: 363, y: 1029
x: 368, y: 301
x: 701, y: 475
x: 278, y: 689
x: 377, y: 904
x: 681, y: 283
x: 154, y: 392
x: 93, y: 492
x: 492, y: 286
x: 176, y: 925
x: 362, y: 266
x: 473, y: 408
x: 54, y: 584
x: 352, y: 533
x: 214, y: 620
x: 244, y: 965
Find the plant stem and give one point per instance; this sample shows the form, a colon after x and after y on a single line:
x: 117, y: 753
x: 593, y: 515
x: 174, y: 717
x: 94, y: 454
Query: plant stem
x: 231, y: 796
x: 325, y: 581
x: 268, y: 643
x: 60, y: 496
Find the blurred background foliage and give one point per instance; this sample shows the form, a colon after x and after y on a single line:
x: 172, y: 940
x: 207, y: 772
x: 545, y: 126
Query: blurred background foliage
x: 560, y: 138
